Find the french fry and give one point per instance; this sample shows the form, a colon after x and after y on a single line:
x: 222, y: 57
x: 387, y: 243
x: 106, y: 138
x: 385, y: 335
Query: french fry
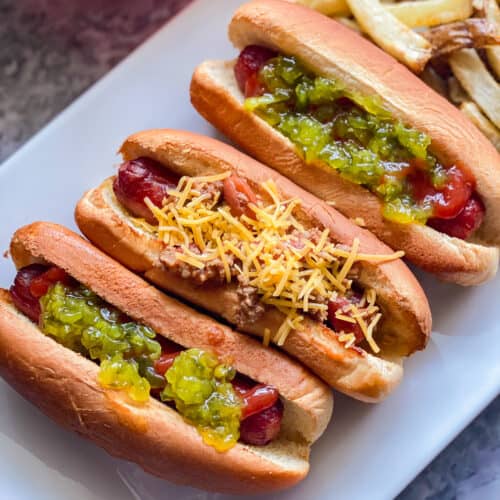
x: 391, y: 34
x: 456, y: 92
x: 472, y: 33
x: 328, y: 7
x: 478, y: 82
x: 431, y: 78
x: 493, y: 53
x: 350, y: 23
x: 412, y: 13
x: 473, y: 113
x: 479, y: 8
x: 427, y: 13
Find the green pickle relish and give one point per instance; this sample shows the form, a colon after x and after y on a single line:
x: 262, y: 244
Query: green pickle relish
x: 351, y: 133
x: 80, y: 320
x: 206, y: 397
x: 197, y: 383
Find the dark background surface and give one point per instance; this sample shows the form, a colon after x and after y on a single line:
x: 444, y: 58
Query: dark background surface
x: 53, y: 50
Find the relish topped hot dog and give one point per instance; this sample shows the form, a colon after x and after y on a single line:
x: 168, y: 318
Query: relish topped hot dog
x: 356, y: 136
x: 134, y: 359
x: 141, y: 374
x: 239, y: 240
x: 325, y: 107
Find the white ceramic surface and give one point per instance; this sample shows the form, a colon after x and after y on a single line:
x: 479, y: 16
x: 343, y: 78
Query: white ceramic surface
x: 368, y: 451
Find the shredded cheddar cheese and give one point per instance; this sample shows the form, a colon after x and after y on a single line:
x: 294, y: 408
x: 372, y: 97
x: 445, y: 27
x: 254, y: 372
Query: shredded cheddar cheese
x: 267, y: 336
x: 274, y: 253
x: 359, y: 221
x: 348, y: 339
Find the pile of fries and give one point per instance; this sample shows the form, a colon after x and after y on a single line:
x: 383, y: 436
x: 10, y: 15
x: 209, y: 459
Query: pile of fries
x: 453, y: 45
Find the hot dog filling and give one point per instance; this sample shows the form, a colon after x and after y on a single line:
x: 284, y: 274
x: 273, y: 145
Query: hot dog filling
x: 357, y: 137
x: 224, y: 406
x: 218, y: 229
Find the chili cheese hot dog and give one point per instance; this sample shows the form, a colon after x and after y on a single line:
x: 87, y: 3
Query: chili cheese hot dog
x: 149, y: 379
x: 325, y: 107
x: 213, y: 226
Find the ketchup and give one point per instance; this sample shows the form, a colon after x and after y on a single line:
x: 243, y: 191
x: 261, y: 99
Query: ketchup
x: 341, y: 304
x: 31, y: 283
x: 246, y: 69
x: 261, y: 413
x: 465, y: 223
x: 238, y: 195
x: 255, y: 397
x: 41, y: 284
x: 21, y: 294
x: 456, y: 208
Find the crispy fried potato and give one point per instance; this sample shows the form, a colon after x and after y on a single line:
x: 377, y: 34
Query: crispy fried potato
x: 478, y: 82
x: 328, y: 7
x: 426, y: 13
x: 479, y: 8
x: 431, y: 78
x: 350, y: 23
x: 412, y: 13
x: 493, y: 53
x: 473, y: 113
x: 391, y: 34
x: 472, y: 33
x: 456, y: 92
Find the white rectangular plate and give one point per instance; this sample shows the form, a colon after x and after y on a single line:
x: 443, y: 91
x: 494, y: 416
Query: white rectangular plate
x: 368, y: 451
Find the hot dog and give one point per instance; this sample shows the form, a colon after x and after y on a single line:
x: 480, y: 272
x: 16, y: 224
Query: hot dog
x: 244, y: 243
x: 325, y: 107
x: 150, y: 380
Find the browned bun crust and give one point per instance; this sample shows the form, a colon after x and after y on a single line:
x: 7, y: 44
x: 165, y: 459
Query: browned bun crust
x: 64, y: 384
x: 359, y: 374
x: 332, y: 50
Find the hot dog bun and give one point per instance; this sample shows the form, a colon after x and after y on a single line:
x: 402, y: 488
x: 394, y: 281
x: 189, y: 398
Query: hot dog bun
x: 64, y: 384
x: 332, y: 50
x: 362, y: 375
